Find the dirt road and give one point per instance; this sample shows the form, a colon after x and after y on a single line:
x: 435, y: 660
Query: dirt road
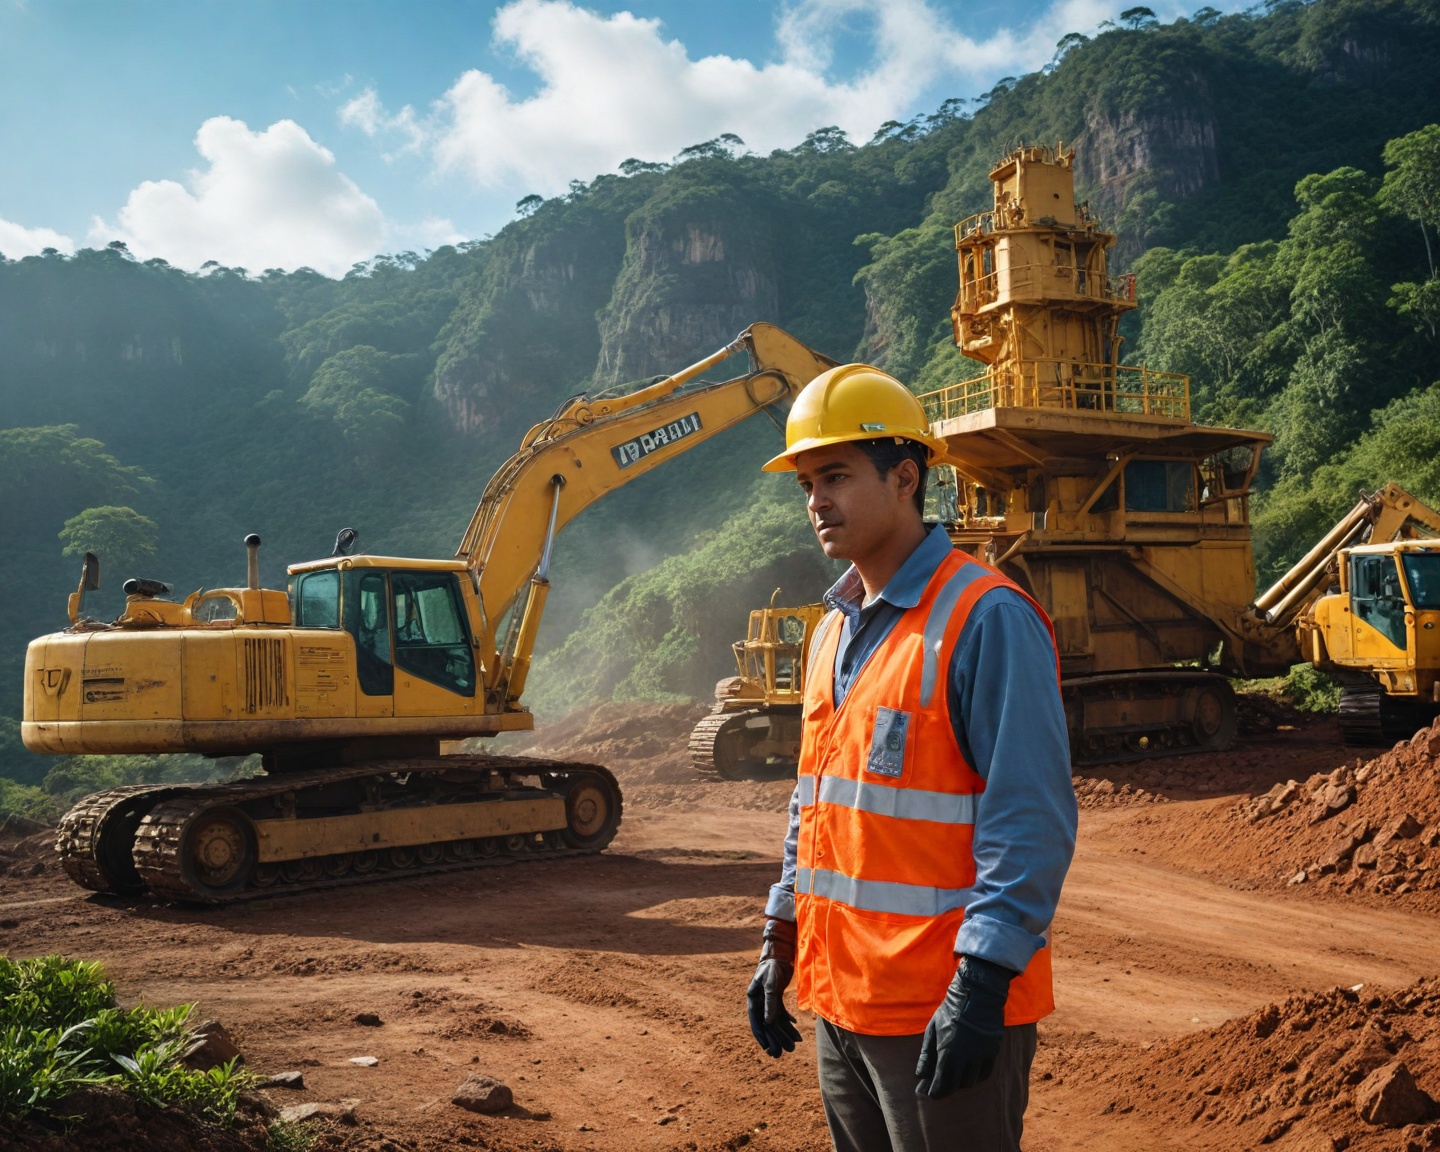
x: 609, y: 992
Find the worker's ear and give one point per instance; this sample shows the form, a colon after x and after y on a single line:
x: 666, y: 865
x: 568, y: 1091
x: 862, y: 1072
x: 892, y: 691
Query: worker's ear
x: 907, y: 477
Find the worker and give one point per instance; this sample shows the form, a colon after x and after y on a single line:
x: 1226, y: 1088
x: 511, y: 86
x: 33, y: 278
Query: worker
x: 933, y: 819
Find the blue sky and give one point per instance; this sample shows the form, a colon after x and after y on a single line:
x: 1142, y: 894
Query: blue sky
x: 275, y: 133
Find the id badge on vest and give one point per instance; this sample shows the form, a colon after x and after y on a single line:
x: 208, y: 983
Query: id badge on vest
x: 887, y: 743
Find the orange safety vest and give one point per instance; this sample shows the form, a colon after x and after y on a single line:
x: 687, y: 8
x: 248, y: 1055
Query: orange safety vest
x: 887, y: 812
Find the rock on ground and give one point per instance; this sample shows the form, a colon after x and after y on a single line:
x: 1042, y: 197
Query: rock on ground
x: 481, y: 1093
x: 211, y: 1048
x: 1390, y: 1098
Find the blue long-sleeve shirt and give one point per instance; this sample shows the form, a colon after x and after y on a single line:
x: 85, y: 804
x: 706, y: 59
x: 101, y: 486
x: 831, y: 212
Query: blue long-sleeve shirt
x: 1010, y: 724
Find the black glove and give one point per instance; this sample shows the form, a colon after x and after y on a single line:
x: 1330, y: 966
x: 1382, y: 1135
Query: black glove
x: 770, y: 1021
x: 963, y: 1037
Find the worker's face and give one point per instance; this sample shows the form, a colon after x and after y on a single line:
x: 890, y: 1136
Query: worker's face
x: 854, y: 510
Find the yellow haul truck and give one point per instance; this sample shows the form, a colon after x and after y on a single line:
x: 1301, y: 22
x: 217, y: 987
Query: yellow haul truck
x: 1085, y: 480
x: 348, y: 683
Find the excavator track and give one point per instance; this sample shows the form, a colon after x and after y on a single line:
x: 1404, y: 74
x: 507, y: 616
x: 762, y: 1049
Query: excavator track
x: 1368, y: 717
x: 707, y: 752
x: 95, y: 836
x: 218, y: 843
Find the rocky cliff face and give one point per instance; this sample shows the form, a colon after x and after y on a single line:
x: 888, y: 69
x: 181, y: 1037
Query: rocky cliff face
x: 1169, y: 152
x: 525, y: 334
x: 689, y: 283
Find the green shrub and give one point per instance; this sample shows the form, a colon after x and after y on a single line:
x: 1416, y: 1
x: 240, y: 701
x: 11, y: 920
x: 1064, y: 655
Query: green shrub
x: 60, y: 1028
x: 1310, y: 690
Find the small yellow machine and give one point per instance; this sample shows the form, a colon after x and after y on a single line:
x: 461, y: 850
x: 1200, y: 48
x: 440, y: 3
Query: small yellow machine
x: 348, y: 682
x: 1365, y: 606
x: 755, y: 724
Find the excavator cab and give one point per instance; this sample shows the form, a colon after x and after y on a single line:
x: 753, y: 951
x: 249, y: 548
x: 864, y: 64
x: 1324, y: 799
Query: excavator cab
x: 771, y: 658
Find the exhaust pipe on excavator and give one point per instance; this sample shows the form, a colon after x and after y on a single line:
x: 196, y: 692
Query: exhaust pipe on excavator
x: 252, y: 562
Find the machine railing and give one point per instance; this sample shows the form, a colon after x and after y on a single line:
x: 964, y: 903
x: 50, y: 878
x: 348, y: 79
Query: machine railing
x: 1122, y: 388
x: 1043, y: 281
x: 1000, y: 219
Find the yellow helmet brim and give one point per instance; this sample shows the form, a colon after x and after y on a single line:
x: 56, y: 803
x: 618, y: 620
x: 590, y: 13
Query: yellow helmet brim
x: 936, y: 449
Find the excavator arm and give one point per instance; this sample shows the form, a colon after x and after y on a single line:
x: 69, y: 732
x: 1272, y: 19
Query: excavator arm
x: 589, y: 448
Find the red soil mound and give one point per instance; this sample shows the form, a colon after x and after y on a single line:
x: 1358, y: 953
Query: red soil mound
x: 1367, y: 826
x: 1322, y: 1070
x: 642, y: 743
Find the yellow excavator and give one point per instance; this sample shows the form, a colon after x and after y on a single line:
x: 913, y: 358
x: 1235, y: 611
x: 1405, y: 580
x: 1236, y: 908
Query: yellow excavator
x: 347, y: 683
x: 1364, y: 606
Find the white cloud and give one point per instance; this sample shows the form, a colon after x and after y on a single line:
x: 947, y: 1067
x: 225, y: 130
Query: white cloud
x: 17, y: 241
x: 270, y: 199
x: 367, y: 113
x: 612, y: 87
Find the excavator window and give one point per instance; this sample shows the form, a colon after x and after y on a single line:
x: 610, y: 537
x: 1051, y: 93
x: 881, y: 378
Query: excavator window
x: 317, y: 600
x: 432, y: 640
x: 367, y: 618
x: 1422, y: 574
x: 1376, y: 598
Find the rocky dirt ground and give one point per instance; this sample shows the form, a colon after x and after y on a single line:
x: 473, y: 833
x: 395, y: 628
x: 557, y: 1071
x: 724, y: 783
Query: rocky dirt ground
x: 1246, y: 957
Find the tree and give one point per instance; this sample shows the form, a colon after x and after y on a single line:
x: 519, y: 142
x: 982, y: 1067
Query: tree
x: 1139, y: 17
x: 118, y: 535
x: 1412, y: 186
x: 1065, y: 43
x: 527, y: 205
x: 353, y: 387
x: 826, y: 140
x: 50, y: 473
x: 722, y: 147
x: 634, y: 167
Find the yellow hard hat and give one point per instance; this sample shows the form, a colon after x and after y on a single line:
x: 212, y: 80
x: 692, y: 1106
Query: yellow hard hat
x: 854, y: 402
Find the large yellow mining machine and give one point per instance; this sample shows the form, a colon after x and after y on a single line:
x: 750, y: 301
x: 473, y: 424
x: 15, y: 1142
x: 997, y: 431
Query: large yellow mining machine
x: 348, y: 684
x: 1085, y: 480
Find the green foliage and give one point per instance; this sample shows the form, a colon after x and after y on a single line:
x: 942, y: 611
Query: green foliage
x: 1311, y: 690
x: 52, y: 992
x: 355, y: 388
x: 665, y: 633
x: 154, y: 1076
x: 60, y: 1028
x: 28, y: 801
x: 283, y: 1137
x: 120, y: 535
x: 1403, y: 445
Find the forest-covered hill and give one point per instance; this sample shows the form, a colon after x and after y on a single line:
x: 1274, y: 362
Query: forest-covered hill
x: 161, y: 415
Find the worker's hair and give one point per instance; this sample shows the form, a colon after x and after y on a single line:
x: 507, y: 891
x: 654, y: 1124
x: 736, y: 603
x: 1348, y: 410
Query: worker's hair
x: 888, y: 452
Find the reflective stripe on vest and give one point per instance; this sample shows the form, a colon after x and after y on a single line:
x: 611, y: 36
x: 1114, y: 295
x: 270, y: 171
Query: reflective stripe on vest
x: 883, y: 800
x: 880, y: 895
x: 888, y: 803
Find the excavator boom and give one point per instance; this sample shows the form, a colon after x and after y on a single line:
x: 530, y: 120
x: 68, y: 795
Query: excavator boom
x: 591, y: 447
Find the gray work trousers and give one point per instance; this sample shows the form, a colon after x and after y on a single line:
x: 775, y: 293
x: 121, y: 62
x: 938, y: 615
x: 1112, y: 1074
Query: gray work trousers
x: 868, y: 1086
